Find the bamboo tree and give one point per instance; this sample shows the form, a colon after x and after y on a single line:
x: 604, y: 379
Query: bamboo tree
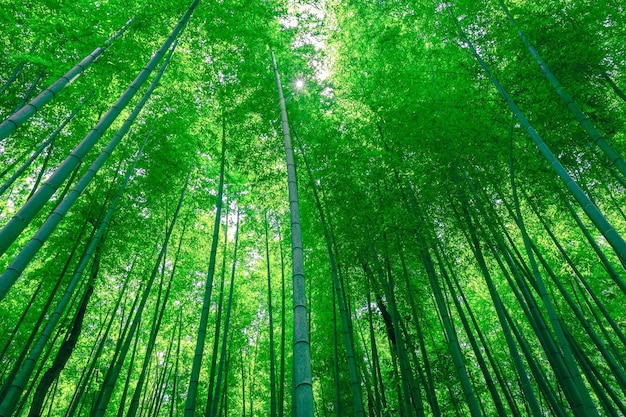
x: 281, y: 386
x: 243, y: 387
x: 614, y: 366
x: 405, y: 378
x: 99, y: 409
x: 468, y: 331
x: 192, y: 390
x: 163, y: 383
x: 578, y: 275
x: 355, y: 383
x: 302, y: 379
x: 48, y: 142
x: 271, y: 324
x: 618, y: 91
x: 501, y: 312
x: 229, y: 307
x: 562, y: 368
x: 18, y: 118
x: 494, y: 365
x: 19, y: 323
x: 17, y: 70
x: 429, y: 385
x: 10, y: 400
x: 131, y: 367
x: 156, y: 325
x: 96, y: 352
x: 30, y: 90
x: 18, y: 363
x: 449, y: 331
x: 402, y: 344
x: 608, y: 231
x: 174, y: 395
x: 218, y: 322
x: 337, y: 404
x: 579, y: 393
x: 60, y: 333
x: 567, y: 100
x: 22, y: 218
x: 539, y: 375
x: 8, y: 403
x: 606, y: 264
x: 68, y: 345
x: 8, y: 278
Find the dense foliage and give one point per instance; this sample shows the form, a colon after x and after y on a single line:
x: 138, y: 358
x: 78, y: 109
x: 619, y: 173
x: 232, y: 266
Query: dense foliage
x: 461, y: 203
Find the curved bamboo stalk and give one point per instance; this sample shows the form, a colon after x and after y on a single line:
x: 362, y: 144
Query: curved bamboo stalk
x: 22, y: 115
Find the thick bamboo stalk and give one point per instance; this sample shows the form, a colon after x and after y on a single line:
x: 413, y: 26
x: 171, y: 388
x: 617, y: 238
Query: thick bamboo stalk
x: 302, y: 377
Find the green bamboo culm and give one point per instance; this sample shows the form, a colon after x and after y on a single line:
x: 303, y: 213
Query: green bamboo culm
x: 302, y: 378
x: 194, y: 378
x: 355, y: 382
x: 229, y: 308
x: 9, y: 402
x: 22, y: 115
x: 108, y: 386
x: 48, y: 142
x: 29, y: 210
x: 595, y: 215
x: 21, y: 261
x: 567, y: 100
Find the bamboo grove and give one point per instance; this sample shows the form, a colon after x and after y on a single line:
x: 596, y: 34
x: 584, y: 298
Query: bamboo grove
x: 333, y: 208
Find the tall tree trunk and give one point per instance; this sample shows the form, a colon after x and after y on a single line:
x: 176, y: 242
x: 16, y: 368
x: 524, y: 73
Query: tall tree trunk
x: 229, y: 308
x: 30, y: 90
x: 21, y: 261
x: 174, y: 392
x: 85, y: 380
x: 271, y: 323
x: 618, y: 91
x: 17, y: 70
x: 156, y: 325
x: 355, y: 383
x: 455, y: 349
x: 281, y: 383
x: 337, y: 405
x: 11, y: 396
x: 567, y: 100
x: 606, y: 264
x: 430, y: 386
x: 192, y: 390
x: 48, y: 142
x: 218, y: 323
x: 579, y: 394
x: 302, y: 378
x: 67, y: 347
x: 131, y: 367
x: 468, y: 331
